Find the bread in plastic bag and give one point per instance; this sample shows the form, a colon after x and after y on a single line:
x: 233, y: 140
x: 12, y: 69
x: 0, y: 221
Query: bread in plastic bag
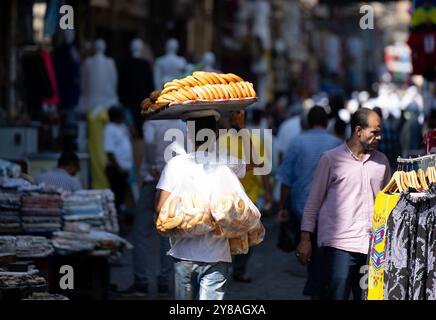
x: 230, y: 206
x: 256, y: 235
x: 186, y: 212
x: 239, y: 245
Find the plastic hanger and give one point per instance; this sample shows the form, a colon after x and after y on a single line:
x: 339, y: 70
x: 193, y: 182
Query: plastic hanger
x: 394, y: 184
x: 414, y: 178
x: 405, y: 183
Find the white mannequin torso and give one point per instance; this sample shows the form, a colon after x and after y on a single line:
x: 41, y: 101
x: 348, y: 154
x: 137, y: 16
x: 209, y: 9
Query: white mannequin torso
x: 167, y: 68
x: 99, y: 83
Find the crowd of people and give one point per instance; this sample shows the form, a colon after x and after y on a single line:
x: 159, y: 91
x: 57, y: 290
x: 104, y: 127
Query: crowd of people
x: 326, y: 173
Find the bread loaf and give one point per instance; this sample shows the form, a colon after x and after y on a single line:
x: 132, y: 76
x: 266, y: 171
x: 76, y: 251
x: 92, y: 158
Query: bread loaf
x: 256, y: 235
x: 235, y: 214
x: 239, y: 245
x: 185, y: 215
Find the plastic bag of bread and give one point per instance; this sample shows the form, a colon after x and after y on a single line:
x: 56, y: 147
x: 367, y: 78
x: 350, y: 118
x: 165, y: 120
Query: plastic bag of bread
x: 230, y: 206
x: 186, y: 212
x: 239, y: 245
x: 256, y: 235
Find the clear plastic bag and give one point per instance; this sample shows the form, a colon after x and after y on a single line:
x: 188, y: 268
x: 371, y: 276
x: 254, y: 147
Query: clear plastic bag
x: 230, y: 206
x: 186, y: 212
x: 239, y: 245
x: 256, y: 235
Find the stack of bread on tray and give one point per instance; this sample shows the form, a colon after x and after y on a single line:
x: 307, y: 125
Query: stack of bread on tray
x: 201, y: 86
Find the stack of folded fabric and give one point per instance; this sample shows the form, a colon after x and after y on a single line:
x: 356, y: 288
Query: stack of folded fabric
x: 83, y: 206
x: 10, y: 212
x: 33, y: 247
x: 107, y: 198
x: 41, y: 212
x: 8, y: 252
x: 66, y: 242
x: 9, y: 169
x: 14, y: 184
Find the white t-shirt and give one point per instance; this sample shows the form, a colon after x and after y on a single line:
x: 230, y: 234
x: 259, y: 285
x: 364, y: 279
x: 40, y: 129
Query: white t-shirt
x: 288, y: 131
x: 117, y: 141
x: 207, y: 248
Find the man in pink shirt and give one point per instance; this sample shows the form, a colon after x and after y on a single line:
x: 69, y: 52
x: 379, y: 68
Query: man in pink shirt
x: 341, y: 201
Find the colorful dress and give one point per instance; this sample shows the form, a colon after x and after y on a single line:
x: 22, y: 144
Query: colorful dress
x: 384, y: 204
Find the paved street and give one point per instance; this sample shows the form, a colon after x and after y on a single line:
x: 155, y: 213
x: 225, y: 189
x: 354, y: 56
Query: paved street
x: 276, y: 275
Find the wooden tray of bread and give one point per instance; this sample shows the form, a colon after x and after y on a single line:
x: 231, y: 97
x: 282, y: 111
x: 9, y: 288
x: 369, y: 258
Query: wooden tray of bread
x: 199, y: 91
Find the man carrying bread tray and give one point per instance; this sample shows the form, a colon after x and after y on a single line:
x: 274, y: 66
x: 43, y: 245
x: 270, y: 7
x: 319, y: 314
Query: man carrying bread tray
x: 201, y: 261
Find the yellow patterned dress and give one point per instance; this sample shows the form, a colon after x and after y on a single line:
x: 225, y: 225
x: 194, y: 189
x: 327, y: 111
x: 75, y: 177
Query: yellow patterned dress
x: 384, y: 204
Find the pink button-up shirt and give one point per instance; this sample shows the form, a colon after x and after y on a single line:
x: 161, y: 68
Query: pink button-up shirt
x: 343, y: 193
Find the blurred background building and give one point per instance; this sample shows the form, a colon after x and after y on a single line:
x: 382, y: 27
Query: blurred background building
x: 295, y: 51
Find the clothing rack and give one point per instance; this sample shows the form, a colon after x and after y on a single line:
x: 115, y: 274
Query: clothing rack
x: 418, y: 159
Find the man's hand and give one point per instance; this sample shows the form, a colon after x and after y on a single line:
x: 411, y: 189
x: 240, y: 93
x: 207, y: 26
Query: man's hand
x: 304, y: 248
x: 283, y: 215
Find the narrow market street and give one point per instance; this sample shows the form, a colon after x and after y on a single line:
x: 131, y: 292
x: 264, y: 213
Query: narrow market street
x: 276, y: 275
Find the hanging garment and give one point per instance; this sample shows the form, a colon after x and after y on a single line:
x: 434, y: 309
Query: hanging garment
x: 423, y: 45
x: 67, y: 67
x: 400, y: 249
x: 96, y: 123
x: 51, y: 17
x: 384, y: 204
x: 36, y: 83
x: 430, y: 284
x: 424, y: 260
x: 48, y: 64
x: 136, y: 84
x: 422, y: 16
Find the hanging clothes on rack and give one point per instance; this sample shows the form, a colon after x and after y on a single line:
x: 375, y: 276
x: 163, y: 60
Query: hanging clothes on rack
x: 402, y: 257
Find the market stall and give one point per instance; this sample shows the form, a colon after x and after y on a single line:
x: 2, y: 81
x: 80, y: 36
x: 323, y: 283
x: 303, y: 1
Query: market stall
x: 43, y: 229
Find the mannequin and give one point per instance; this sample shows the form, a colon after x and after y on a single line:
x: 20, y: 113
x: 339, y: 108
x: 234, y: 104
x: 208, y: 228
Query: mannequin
x: 99, y: 93
x: 99, y: 80
x: 170, y: 66
x: 208, y: 62
x: 136, y: 81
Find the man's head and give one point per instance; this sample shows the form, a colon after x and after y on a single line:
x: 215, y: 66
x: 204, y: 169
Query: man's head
x: 69, y: 161
x: 317, y: 117
x: 116, y: 114
x: 366, y: 128
x: 208, y: 122
x: 237, y: 119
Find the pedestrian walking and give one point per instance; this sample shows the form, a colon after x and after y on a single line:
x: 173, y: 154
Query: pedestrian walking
x: 295, y: 175
x: 346, y: 182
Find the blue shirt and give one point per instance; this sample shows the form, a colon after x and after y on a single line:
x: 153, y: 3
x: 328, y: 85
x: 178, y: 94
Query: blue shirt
x: 299, y: 165
x: 61, y: 179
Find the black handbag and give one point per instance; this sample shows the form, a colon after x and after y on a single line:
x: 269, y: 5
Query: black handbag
x: 289, y: 234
